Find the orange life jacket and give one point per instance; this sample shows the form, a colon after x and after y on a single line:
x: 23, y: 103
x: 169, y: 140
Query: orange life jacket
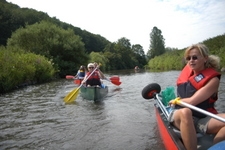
x: 188, y: 84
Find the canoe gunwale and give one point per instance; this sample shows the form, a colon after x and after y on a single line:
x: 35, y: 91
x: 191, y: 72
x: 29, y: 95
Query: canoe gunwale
x: 170, y: 139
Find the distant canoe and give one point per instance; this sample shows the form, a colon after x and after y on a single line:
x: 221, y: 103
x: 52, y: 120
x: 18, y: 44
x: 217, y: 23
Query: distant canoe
x: 136, y: 68
x: 93, y: 93
x: 77, y: 81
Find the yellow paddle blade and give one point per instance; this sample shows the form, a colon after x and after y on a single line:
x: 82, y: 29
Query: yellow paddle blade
x: 71, y: 96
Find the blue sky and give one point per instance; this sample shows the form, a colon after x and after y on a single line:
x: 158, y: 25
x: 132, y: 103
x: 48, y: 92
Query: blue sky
x: 182, y: 22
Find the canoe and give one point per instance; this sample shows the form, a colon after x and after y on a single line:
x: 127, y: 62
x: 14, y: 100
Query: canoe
x: 93, y: 93
x: 77, y: 81
x: 169, y: 134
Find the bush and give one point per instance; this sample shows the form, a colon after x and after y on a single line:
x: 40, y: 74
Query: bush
x: 23, y: 68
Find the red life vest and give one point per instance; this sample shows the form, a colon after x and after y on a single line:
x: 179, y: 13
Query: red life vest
x: 188, y: 84
x: 94, y: 79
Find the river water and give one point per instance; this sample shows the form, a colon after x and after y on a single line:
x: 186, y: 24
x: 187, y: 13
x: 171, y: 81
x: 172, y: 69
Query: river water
x: 35, y: 117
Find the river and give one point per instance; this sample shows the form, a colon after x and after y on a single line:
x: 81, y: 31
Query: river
x: 35, y: 117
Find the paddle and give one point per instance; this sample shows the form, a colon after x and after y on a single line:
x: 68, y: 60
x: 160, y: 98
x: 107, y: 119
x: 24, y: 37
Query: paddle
x: 115, y: 78
x: 76, y: 80
x: 116, y: 82
x: 179, y: 102
x: 73, y: 94
x: 70, y: 77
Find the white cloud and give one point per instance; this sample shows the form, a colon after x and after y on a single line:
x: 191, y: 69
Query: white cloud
x: 182, y: 22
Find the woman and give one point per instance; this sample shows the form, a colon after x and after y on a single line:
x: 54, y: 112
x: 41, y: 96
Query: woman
x: 81, y: 73
x: 94, y: 79
x: 198, y: 85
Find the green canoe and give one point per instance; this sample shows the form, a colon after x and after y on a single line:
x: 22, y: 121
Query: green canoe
x: 93, y: 93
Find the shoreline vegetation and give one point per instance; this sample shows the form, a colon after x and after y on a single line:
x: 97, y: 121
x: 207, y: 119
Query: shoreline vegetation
x: 20, y: 68
x: 174, y: 60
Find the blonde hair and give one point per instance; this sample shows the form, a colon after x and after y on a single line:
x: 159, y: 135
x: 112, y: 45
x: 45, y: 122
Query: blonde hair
x: 213, y: 60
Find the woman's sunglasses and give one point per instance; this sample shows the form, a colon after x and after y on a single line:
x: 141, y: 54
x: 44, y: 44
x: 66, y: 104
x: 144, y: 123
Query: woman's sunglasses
x: 191, y: 57
x: 90, y: 67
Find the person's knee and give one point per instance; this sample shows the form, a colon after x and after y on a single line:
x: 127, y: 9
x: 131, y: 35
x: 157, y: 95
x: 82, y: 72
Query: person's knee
x: 186, y: 115
x: 186, y: 112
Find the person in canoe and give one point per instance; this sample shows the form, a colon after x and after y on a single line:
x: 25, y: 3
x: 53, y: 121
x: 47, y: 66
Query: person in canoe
x: 95, y: 78
x: 103, y: 76
x: 81, y: 73
x: 198, y: 85
x: 136, y: 68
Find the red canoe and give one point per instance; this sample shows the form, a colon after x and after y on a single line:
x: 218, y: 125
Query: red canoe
x: 171, y: 136
x: 77, y: 81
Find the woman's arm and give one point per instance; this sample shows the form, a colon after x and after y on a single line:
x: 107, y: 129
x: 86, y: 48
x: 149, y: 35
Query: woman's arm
x: 101, y: 75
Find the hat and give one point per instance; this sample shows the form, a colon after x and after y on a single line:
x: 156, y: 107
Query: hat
x: 90, y: 65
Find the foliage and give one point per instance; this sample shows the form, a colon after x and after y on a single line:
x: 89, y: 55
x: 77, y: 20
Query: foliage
x: 62, y: 46
x: 157, y: 44
x: 215, y: 43
x: 99, y: 58
x: 23, y: 68
x: 173, y: 59
x: 14, y: 17
x: 139, y: 55
x: 221, y: 54
x: 123, y: 55
x: 216, y: 46
x: 168, y: 61
x: 93, y: 42
x: 123, y: 47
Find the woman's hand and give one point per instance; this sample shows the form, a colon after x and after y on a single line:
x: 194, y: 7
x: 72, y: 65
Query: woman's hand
x: 171, y: 102
x: 174, y: 101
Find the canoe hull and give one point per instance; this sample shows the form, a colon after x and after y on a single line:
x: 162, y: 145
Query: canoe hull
x: 170, y: 140
x: 93, y: 93
x: 77, y: 81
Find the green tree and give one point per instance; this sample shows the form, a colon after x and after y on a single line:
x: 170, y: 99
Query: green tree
x: 13, y: 17
x: 18, y: 68
x: 157, y: 43
x: 139, y: 55
x: 99, y: 58
x: 63, y: 47
x: 121, y: 55
x: 112, y: 56
x: 123, y: 47
x: 93, y: 42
